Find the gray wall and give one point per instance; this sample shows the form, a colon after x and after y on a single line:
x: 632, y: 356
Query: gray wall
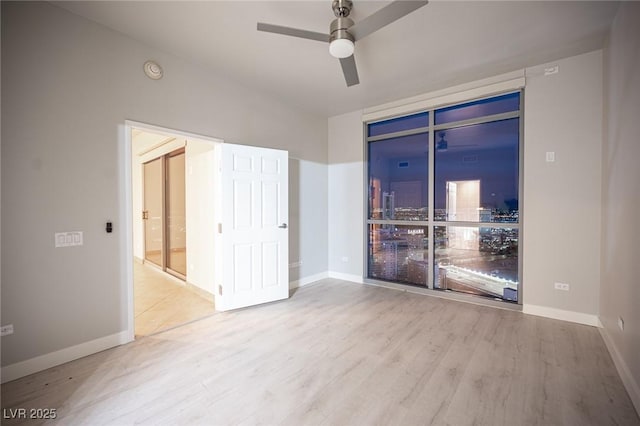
x: 346, y: 199
x: 620, y: 282
x: 561, y: 200
x: 69, y: 85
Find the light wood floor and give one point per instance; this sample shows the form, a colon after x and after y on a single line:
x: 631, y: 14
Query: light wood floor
x: 162, y: 302
x: 344, y: 354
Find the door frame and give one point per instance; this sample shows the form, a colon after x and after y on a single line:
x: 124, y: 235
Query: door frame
x: 126, y: 209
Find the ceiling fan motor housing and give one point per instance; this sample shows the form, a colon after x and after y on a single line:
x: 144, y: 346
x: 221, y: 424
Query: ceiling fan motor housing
x: 339, y: 29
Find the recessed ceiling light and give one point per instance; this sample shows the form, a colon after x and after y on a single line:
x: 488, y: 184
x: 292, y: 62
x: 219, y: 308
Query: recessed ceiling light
x: 153, y: 70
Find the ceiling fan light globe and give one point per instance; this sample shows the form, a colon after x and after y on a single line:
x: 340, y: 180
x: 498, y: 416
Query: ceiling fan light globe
x: 341, y: 48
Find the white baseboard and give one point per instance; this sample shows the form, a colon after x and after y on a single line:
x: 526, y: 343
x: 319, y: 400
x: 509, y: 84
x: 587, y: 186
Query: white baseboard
x: 52, y: 359
x: 346, y: 277
x: 633, y: 389
x: 308, y: 280
x: 202, y: 292
x: 561, y: 314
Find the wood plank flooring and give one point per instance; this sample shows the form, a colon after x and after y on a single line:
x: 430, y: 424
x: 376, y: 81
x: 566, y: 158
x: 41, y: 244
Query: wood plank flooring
x: 338, y: 353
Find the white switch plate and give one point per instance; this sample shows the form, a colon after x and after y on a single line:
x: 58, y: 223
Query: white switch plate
x: 561, y: 286
x: 551, y: 157
x: 6, y: 330
x: 68, y: 239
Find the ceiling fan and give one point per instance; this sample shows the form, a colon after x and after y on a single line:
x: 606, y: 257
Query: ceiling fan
x: 343, y: 32
x: 443, y: 145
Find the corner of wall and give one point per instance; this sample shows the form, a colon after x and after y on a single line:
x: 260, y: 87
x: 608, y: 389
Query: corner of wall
x: 346, y: 194
x: 630, y: 383
x: 619, y: 251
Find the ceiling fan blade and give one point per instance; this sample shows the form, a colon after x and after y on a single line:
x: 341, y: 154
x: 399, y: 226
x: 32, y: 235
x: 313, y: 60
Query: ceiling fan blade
x: 384, y: 16
x: 350, y: 71
x: 294, y: 32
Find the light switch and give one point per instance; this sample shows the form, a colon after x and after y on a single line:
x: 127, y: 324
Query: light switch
x: 60, y: 240
x: 68, y: 239
x: 551, y: 156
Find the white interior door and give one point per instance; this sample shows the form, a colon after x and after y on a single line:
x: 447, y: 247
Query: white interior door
x: 255, y: 237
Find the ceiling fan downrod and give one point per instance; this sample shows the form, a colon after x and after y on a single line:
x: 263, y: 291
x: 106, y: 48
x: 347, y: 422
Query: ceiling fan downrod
x: 341, y: 8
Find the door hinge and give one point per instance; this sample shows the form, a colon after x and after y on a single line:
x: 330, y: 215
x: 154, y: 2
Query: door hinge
x: 145, y: 214
x: 220, y: 290
x: 219, y: 228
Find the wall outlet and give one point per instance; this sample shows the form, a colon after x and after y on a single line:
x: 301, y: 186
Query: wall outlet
x: 561, y: 286
x: 620, y: 323
x: 550, y: 156
x: 344, y: 259
x: 6, y: 330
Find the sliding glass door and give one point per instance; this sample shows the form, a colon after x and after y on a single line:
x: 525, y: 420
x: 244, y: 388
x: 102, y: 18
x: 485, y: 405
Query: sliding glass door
x: 153, y: 214
x: 164, y: 213
x: 176, y: 211
x: 443, y: 194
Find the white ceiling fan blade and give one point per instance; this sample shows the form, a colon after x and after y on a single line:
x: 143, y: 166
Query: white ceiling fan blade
x: 294, y: 32
x: 350, y: 71
x: 385, y: 16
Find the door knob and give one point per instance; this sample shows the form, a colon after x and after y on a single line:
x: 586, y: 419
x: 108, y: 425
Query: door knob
x: 283, y: 226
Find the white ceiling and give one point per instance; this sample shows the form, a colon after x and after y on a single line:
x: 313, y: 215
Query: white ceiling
x: 439, y: 45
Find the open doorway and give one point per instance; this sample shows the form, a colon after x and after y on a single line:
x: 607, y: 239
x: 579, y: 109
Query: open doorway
x: 236, y: 256
x: 172, y: 194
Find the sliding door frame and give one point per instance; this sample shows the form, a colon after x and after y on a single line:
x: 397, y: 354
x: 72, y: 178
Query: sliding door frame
x: 162, y: 213
x: 164, y: 220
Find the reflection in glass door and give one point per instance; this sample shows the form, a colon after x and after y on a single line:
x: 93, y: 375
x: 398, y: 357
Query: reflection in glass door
x: 153, y: 212
x: 176, y: 211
